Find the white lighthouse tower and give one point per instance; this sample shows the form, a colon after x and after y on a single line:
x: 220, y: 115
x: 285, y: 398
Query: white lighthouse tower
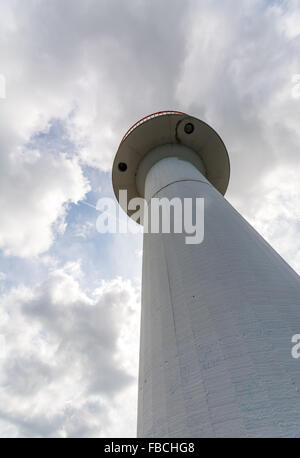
x: 217, y: 317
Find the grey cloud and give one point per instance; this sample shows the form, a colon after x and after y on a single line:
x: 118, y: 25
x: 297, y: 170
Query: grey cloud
x: 62, y: 351
x: 71, y: 422
x: 98, y: 66
x: 25, y: 375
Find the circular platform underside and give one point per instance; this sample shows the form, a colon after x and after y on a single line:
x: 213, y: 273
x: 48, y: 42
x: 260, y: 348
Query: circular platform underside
x: 170, y: 128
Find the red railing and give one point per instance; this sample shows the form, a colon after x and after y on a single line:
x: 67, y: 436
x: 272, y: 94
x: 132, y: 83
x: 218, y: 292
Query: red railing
x: 146, y: 118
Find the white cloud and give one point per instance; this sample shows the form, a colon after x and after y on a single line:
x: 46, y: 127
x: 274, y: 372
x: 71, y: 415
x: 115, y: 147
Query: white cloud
x: 84, y: 230
x: 85, y: 70
x: 237, y: 76
x: 276, y: 214
x: 67, y: 356
x: 290, y: 23
x: 98, y: 66
x: 34, y: 194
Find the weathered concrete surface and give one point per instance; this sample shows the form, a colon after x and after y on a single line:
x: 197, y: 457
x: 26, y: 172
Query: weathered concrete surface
x: 217, y: 322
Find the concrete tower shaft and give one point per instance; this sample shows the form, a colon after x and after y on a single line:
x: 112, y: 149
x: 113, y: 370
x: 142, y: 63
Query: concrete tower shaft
x: 217, y: 317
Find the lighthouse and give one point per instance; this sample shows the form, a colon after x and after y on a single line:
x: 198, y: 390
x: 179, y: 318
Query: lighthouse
x: 217, y: 316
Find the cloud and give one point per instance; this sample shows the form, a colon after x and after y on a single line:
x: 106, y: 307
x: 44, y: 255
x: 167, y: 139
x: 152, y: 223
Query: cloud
x: 94, y: 72
x: 237, y: 76
x: 276, y: 216
x: 94, y: 68
x: 35, y: 190
x: 110, y: 63
x: 64, y: 363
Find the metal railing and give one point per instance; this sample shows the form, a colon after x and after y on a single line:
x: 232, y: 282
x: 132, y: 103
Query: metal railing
x: 146, y: 118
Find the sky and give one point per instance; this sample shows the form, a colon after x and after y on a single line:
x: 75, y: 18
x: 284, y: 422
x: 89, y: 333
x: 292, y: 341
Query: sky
x: 74, y: 76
